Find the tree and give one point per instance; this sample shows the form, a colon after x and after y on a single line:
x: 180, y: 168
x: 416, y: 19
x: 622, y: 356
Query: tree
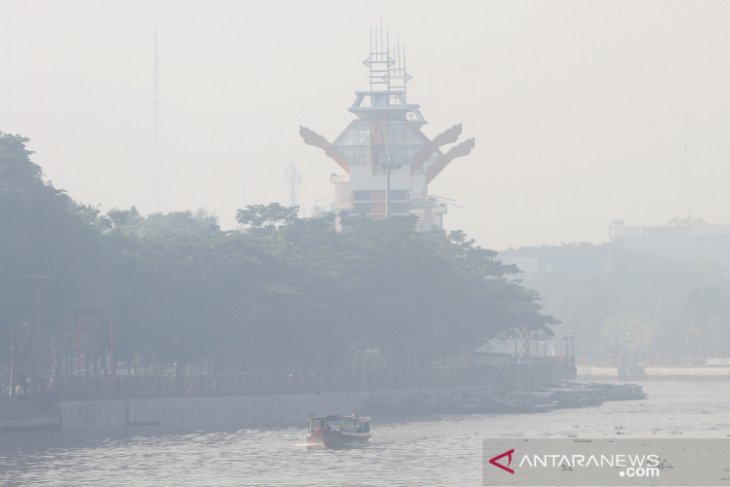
x: 48, y: 248
x: 267, y: 217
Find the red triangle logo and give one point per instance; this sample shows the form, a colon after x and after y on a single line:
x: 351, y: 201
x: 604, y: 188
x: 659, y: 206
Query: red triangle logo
x: 495, y: 461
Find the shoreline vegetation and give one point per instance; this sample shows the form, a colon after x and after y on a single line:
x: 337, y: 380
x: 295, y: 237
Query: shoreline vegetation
x: 91, y: 294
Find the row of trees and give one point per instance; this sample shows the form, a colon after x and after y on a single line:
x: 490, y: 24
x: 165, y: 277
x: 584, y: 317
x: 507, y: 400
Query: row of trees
x: 639, y: 307
x: 278, y: 293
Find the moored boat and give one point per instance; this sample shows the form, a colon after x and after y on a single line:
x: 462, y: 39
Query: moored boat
x: 338, y: 431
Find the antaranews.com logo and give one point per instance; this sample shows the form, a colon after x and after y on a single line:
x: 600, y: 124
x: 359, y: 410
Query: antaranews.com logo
x: 606, y: 462
x: 630, y: 465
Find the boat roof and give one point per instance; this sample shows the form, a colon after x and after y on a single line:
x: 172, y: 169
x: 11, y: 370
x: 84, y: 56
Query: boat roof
x: 337, y: 417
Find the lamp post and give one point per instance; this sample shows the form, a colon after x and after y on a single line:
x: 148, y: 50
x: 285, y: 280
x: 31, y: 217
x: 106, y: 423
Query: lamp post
x: 38, y: 278
x: 12, y: 361
x: 572, y: 350
x: 386, y: 164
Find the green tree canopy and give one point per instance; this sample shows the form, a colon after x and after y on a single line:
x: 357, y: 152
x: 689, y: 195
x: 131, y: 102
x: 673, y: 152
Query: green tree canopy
x: 279, y: 293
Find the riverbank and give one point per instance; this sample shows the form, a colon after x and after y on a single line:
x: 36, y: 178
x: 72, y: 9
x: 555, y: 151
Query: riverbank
x: 22, y: 414
x: 643, y: 372
x: 417, y: 451
x: 166, y: 403
x: 282, y: 410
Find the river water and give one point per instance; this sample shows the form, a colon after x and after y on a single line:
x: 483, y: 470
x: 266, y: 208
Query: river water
x: 433, y: 451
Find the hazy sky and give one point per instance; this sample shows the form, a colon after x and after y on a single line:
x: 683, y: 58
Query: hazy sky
x: 576, y: 106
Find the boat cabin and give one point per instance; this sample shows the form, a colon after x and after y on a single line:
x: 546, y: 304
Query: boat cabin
x: 344, y: 424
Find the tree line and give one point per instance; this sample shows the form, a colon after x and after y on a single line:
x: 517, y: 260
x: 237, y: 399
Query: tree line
x: 80, y: 288
x: 637, y: 307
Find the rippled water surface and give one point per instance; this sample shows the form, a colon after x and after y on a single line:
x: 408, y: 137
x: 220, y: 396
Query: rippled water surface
x: 425, y: 452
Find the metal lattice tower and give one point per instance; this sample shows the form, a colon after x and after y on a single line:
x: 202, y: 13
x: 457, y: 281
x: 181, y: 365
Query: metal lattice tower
x: 293, y: 179
x: 157, y: 117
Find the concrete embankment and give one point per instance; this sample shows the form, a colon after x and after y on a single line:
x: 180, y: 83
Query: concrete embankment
x: 652, y: 372
x: 185, y: 413
x: 21, y: 414
x: 158, y: 403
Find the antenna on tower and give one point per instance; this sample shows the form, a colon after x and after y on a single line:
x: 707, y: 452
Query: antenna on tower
x: 244, y: 180
x: 293, y: 179
x: 399, y: 76
x: 157, y: 115
x: 686, y: 164
x: 379, y: 61
x: 387, y: 67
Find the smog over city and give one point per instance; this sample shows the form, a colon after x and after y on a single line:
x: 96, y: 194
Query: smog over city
x: 364, y: 243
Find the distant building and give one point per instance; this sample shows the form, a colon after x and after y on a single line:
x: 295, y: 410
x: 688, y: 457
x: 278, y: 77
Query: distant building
x: 387, y: 161
x: 683, y: 239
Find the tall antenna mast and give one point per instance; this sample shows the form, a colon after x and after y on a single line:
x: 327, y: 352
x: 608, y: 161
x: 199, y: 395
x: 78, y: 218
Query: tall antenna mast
x: 686, y: 163
x: 293, y: 179
x: 399, y: 76
x: 379, y: 61
x: 244, y: 177
x: 157, y: 116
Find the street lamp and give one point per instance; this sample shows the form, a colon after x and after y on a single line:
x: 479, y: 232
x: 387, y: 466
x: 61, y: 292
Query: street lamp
x: 572, y: 350
x: 387, y: 164
x: 13, y: 352
x: 38, y: 278
x: 12, y: 361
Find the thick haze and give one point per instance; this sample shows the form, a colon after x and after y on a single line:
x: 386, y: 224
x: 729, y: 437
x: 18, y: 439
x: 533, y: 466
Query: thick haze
x: 577, y: 107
